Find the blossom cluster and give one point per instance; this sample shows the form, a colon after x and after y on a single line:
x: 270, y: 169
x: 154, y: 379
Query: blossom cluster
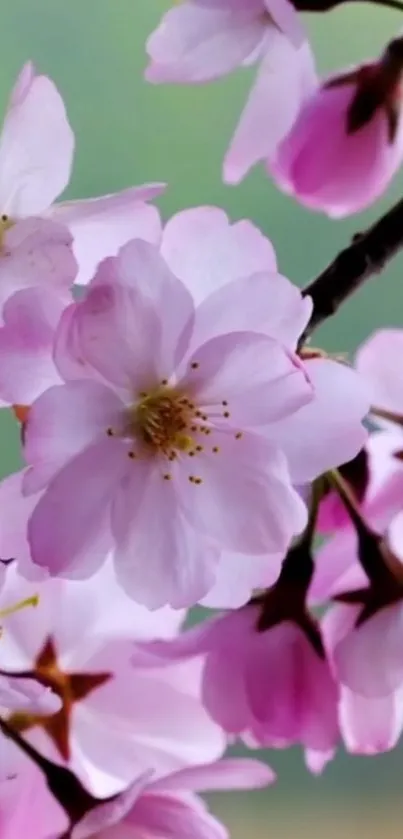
x: 183, y: 444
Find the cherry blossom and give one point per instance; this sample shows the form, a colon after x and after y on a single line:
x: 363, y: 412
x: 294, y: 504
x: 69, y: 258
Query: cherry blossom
x: 199, y: 41
x: 182, y: 428
x: 115, y: 720
x: 271, y: 685
x: 36, y: 153
x: 347, y: 141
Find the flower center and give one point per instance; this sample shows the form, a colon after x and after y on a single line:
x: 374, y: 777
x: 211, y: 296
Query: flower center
x: 163, y: 419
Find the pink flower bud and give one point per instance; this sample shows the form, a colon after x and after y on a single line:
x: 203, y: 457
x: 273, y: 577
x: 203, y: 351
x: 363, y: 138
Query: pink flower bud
x: 347, y: 141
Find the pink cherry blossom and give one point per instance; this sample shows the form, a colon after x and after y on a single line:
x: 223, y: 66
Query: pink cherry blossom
x: 270, y: 686
x: 200, y: 40
x: 116, y: 721
x: 368, y: 724
x: 169, y: 490
x: 347, y: 141
x: 36, y: 153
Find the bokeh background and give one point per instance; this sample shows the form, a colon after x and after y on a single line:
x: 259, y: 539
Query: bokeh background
x: 128, y: 133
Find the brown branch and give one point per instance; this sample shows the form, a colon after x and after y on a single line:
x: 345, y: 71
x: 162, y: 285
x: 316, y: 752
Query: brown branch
x: 367, y: 255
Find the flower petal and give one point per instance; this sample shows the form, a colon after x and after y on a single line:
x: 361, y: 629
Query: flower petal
x: 206, y: 251
x: 377, y: 362
x: 245, y: 501
x: 286, y: 76
x: 26, y: 345
x: 36, y: 147
x: 238, y: 575
x: 196, y: 42
x: 243, y: 379
x: 369, y: 659
x: 328, y: 430
x: 68, y: 529
x: 62, y: 422
x: 159, y: 559
x: 370, y: 725
x: 266, y: 303
x: 100, y: 226
x: 36, y: 252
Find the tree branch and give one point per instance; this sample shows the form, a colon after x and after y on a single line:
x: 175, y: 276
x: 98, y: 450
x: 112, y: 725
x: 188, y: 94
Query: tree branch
x: 367, y: 255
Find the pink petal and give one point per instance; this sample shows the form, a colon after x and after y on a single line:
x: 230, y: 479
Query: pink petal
x: 62, y: 422
x: 369, y: 660
x: 245, y: 501
x: 336, y: 568
x: 237, y: 577
x: 377, y: 362
x: 206, y: 251
x: 225, y: 774
x: 122, y: 328
x: 251, y: 375
x: 26, y: 345
x: 285, y: 78
x: 266, y: 303
x: 181, y: 735
x: 36, y: 147
x: 196, y: 42
x: 328, y: 430
x: 159, y: 559
x: 370, y: 725
x: 174, y: 817
x: 16, y: 510
x: 287, y: 19
x: 303, y: 708
x: 100, y: 226
x: 36, y: 252
x: 68, y: 530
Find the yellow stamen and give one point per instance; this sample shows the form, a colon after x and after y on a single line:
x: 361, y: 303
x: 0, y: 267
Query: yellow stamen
x: 23, y: 604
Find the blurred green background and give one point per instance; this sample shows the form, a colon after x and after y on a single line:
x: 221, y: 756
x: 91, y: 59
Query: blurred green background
x: 129, y: 132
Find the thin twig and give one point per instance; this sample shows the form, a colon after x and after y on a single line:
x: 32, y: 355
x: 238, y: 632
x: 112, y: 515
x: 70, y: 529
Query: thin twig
x: 367, y: 255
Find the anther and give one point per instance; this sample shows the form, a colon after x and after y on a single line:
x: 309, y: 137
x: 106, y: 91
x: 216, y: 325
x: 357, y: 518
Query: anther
x: 226, y: 414
x: 167, y: 476
x: 198, y: 481
x: 109, y: 432
x: 199, y: 448
x: 193, y: 428
x: 204, y: 417
x: 238, y: 435
x: 191, y: 453
x: 195, y: 365
x: 224, y: 403
x: 192, y: 479
x: 132, y: 455
x: 215, y: 449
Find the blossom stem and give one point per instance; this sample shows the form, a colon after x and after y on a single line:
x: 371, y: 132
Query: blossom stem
x: 62, y: 784
x: 367, y: 255
x: 372, y: 554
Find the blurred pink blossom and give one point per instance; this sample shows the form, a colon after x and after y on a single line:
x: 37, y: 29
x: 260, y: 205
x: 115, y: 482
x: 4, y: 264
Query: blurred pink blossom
x: 272, y: 686
x: 115, y: 721
x: 347, y: 141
